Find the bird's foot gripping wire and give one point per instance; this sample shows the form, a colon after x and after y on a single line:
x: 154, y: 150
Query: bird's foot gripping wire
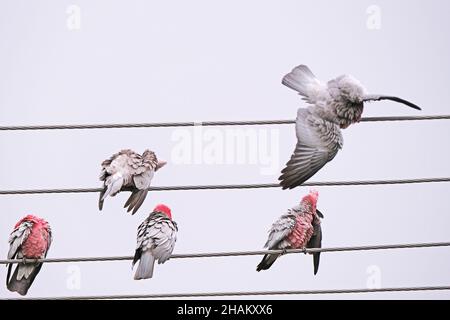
x: 29, y: 261
x: 284, y: 252
x: 304, y: 250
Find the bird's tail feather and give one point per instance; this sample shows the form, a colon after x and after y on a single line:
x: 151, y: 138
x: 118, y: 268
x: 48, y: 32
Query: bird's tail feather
x: 300, y: 79
x: 146, y: 265
x: 135, y: 201
x: 316, y: 261
x: 21, y: 286
x: 267, y: 262
x: 100, y: 199
x: 113, y: 185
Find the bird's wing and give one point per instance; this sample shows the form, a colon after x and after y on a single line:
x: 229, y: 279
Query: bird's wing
x: 279, y: 231
x: 320, y: 214
x: 139, y: 192
x: 126, y: 171
x: 318, y: 143
x: 123, y: 164
x: 316, y: 242
x: 302, y: 80
x: 157, y: 234
x: 18, y: 237
x: 128, y: 164
x: 166, y: 242
x: 143, y: 180
x: 49, y: 238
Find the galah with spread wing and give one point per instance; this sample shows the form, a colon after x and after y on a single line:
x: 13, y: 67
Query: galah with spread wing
x: 332, y: 106
x: 30, y: 239
x: 297, y: 229
x: 155, y: 241
x: 129, y: 171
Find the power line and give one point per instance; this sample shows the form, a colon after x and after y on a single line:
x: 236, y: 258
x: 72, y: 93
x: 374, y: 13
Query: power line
x: 244, y: 253
x: 235, y: 186
x: 205, y: 123
x: 241, y: 293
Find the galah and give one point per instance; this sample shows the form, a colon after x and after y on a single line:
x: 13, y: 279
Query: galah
x: 129, y: 171
x: 332, y: 106
x: 299, y: 228
x: 30, y: 239
x: 155, y: 241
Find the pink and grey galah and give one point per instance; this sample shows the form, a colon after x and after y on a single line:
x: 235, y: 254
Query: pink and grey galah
x: 30, y: 239
x: 155, y: 241
x: 129, y: 171
x: 332, y: 106
x: 297, y: 229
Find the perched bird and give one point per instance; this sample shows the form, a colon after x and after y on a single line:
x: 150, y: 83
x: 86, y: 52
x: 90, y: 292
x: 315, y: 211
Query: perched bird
x: 297, y: 229
x: 129, y: 171
x: 332, y: 106
x: 155, y: 241
x: 30, y: 239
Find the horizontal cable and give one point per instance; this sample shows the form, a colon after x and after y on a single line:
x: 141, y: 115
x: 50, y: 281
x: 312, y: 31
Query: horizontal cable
x: 236, y: 186
x: 242, y: 293
x: 206, y: 123
x: 245, y: 253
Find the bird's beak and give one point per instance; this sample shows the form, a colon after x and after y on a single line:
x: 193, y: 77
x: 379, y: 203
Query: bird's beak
x: 375, y: 97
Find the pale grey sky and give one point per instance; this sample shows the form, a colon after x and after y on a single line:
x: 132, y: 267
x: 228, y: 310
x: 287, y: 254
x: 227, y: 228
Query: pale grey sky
x: 143, y: 61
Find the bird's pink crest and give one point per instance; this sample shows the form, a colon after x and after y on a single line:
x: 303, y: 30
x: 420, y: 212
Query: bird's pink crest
x: 30, y: 218
x: 163, y: 209
x: 312, y: 197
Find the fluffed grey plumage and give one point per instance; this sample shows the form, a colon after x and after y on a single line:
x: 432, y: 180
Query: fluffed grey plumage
x: 129, y: 171
x: 156, y: 240
x: 25, y: 272
x: 281, y: 230
x: 332, y: 106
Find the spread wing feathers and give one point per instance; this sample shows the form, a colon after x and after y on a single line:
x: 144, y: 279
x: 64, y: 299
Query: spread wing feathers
x: 318, y: 143
x: 126, y: 170
x: 155, y: 242
x: 278, y: 233
x: 316, y: 242
x: 302, y: 80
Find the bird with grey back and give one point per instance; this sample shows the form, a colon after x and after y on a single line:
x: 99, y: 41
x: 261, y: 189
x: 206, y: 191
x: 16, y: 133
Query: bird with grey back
x: 299, y: 228
x: 155, y: 241
x: 129, y: 171
x: 30, y: 239
x: 332, y: 106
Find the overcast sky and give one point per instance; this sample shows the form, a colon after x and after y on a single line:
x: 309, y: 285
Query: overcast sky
x: 142, y: 61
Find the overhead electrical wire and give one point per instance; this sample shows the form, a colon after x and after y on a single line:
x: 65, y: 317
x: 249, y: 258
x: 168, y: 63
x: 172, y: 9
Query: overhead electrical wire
x: 236, y: 186
x: 242, y: 253
x: 242, y: 293
x: 204, y: 123
x: 227, y: 187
